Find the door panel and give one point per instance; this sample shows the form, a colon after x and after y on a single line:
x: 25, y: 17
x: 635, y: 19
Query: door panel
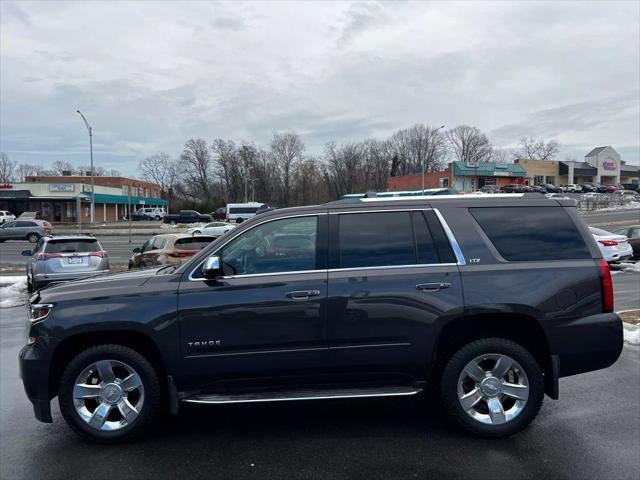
x: 251, y: 326
x: 266, y: 315
x: 379, y: 320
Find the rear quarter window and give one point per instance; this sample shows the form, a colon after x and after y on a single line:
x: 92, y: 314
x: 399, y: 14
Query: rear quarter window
x: 531, y: 233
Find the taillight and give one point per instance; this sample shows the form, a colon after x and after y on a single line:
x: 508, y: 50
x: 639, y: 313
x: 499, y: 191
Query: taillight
x: 608, y: 243
x: 47, y: 256
x: 606, y: 285
x: 100, y: 254
x: 47, y: 229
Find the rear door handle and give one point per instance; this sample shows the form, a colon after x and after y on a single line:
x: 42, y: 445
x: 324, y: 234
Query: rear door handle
x: 303, y: 294
x: 433, y: 287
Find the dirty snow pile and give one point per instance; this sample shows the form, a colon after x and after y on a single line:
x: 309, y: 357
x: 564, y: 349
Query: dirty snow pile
x: 13, y: 291
x: 632, y: 205
x: 630, y: 267
x: 631, y: 333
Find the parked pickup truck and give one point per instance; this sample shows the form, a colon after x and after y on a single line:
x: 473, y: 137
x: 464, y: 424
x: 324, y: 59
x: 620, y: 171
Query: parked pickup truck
x: 186, y: 216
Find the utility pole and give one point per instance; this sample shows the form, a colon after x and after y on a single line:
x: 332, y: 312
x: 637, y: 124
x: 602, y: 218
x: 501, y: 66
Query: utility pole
x: 93, y: 199
x: 423, y: 165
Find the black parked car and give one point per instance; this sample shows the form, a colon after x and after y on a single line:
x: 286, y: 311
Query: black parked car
x: 539, y: 188
x: 490, y: 189
x: 356, y: 298
x: 551, y: 188
x: 513, y: 188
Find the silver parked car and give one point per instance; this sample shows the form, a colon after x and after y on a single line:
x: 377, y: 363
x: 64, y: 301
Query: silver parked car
x: 61, y: 258
x: 30, y: 229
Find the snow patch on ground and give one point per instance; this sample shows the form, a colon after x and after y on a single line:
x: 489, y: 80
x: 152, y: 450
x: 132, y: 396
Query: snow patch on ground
x: 631, y: 333
x: 630, y: 267
x: 13, y: 291
x: 625, y: 206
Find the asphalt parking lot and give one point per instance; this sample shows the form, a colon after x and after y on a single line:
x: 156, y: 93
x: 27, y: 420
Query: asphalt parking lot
x: 593, y: 431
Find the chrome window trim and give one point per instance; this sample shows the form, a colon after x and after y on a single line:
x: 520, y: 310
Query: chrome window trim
x: 394, y: 267
x: 452, y: 239
x: 460, y: 260
x: 191, y: 279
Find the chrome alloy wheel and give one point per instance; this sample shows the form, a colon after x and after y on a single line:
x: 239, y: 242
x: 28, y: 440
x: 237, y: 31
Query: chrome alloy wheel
x: 493, y: 389
x: 108, y: 395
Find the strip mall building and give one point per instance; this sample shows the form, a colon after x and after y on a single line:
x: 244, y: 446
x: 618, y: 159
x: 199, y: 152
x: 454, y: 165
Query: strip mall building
x: 602, y: 165
x: 58, y: 198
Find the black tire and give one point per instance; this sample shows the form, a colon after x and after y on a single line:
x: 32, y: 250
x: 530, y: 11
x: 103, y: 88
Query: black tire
x: 158, y: 217
x: 172, y: 222
x: 33, y: 237
x: 466, y: 354
x: 150, y: 382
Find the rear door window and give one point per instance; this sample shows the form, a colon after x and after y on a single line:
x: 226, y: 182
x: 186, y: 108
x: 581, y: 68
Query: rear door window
x: 376, y: 239
x: 532, y: 233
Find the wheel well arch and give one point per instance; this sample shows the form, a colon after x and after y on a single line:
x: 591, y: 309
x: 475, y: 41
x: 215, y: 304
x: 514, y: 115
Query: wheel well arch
x: 72, y: 346
x: 521, y: 328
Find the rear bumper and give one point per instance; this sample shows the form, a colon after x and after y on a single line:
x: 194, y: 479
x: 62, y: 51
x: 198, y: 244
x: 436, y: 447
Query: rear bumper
x: 34, y: 361
x: 586, y: 344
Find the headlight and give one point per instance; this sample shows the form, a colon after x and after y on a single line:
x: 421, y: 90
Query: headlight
x: 39, y: 312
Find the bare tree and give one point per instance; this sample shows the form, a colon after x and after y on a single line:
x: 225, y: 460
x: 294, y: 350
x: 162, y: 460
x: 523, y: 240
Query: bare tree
x: 286, y: 148
x: 7, y: 168
x: 469, y: 144
x: 61, y: 167
x: 197, y: 167
x: 24, y: 170
x: 533, y: 149
x: 419, y: 148
x: 160, y: 169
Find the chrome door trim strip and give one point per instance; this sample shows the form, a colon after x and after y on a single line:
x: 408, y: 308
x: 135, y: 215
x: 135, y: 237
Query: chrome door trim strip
x: 371, y: 345
x: 257, y: 352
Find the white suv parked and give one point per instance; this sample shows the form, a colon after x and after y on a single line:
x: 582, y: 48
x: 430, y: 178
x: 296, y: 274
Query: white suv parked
x: 156, y: 213
x: 6, y: 216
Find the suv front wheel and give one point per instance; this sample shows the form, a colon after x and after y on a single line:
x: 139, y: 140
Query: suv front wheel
x: 109, y: 393
x: 492, y: 387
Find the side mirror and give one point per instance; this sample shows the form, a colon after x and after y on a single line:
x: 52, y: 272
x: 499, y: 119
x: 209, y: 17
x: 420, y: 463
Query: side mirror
x: 212, y: 267
x: 26, y: 253
x: 136, y: 250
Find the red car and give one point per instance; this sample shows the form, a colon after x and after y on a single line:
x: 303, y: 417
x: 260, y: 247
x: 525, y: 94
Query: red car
x: 612, y: 188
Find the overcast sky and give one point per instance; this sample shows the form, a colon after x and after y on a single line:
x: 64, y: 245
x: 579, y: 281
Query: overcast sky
x: 150, y: 75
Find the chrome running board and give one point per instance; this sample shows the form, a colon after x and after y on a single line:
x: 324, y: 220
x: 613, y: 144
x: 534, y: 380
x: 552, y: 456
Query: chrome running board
x: 291, y: 395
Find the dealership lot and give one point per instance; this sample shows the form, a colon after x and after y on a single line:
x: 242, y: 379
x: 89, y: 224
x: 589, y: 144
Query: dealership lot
x: 591, y: 432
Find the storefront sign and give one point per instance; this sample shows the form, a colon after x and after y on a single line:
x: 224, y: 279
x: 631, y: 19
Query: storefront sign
x: 609, y: 164
x: 472, y: 164
x: 501, y: 174
x: 62, y: 187
x: 6, y: 185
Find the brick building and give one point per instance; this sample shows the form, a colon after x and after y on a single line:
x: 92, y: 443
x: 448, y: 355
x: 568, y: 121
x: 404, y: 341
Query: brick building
x: 463, y: 177
x: 58, y: 198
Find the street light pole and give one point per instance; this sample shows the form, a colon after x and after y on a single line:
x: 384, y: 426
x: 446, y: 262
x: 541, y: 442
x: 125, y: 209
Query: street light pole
x: 93, y: 200
x: 423, y: 165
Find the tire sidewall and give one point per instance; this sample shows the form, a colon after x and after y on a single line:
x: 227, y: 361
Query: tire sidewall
x: 33, y: 238
x: 449, y: 386
x: 126, y: 355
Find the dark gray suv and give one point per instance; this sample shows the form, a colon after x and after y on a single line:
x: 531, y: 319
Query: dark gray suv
x: 488, y: 300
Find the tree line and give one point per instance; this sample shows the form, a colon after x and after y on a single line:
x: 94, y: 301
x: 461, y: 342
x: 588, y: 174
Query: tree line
x: 208, y: 174
x: 13, y: 171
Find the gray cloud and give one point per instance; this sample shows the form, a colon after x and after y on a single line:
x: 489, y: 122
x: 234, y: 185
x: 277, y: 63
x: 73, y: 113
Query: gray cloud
x: 151, y: 75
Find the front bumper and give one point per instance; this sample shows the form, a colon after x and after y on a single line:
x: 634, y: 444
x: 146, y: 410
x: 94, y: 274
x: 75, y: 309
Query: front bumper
x: 586, y: 344
x: 34, y: 362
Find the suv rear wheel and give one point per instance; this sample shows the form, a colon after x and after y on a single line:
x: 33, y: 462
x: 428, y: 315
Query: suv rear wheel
x: 33, y: 237
x: 492, y: 387
x: 109, y: 393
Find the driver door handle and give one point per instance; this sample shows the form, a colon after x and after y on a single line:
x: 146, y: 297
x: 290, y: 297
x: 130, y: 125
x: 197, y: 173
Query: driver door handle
x: 432, y: 287
x: 303, y: 294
